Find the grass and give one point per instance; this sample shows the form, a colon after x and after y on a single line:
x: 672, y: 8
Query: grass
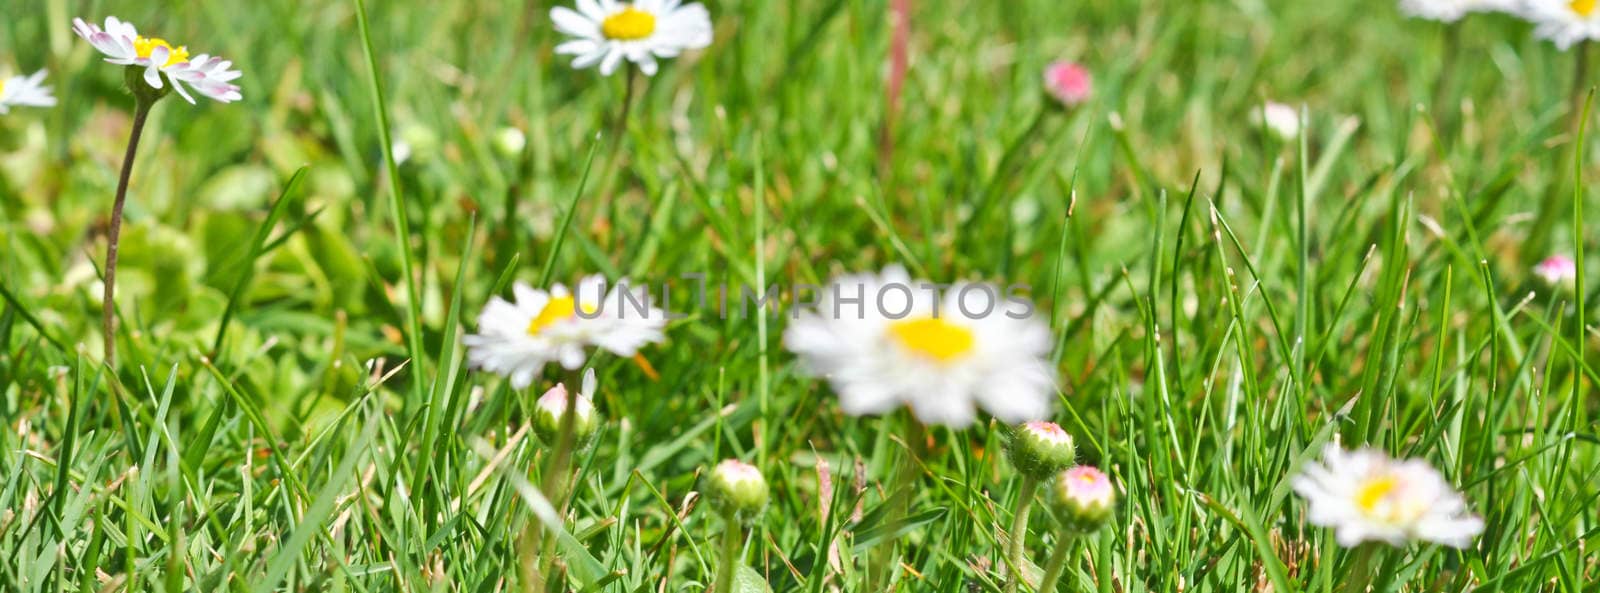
x: 1225, y: 303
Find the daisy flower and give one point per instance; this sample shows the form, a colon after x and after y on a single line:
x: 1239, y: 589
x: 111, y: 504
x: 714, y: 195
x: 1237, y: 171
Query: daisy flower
x: 1367, y: 496
x: 163, y: 62
x: 1449, y: 11
x: 1563, y: 22
x: 607, y: 31
x: 1278, y: 119
x: 517, y: 338
x: 1069, y: 83
x: 884, y: 340
x: 1557, y: 270
x: 25, y: 91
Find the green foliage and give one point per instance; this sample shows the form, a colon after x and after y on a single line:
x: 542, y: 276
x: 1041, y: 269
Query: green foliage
x: 1224, y: 304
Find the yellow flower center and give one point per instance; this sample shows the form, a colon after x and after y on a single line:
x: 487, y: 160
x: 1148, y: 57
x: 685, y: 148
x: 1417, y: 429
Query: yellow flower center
x: 1376, y: 499
x: 934, y: 338
x: 144, y: 46
x: 1584, y: 7
x: 629, y: 25
x: 1374, y: 491
x: 559, y: 309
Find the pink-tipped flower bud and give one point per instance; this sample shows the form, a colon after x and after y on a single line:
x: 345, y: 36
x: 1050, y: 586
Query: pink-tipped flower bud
x: 1084, y: 498
x: 1558, y: 271
x: 1040, y: 449
x: 1069, y: 83
x: 553, y: 404
x: 737, y: 487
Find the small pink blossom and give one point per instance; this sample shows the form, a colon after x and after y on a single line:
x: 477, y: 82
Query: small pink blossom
x: 1068, y: 82
x: 1087, y: 486
x: 1557, y: 270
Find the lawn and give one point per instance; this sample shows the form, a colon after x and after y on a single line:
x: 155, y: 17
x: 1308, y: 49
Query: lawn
x: 1223, y: 292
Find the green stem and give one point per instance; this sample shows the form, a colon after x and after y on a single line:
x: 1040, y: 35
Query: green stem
x: 1444, y: 110
x: 1361, y: 569
x: 881, y: 563
x: 1019, y: 531
x: 557, y: 474
x: 1580, y: 77
x: 732, y: 552
x: 1058, y: 562
x: 618, y: 132
x: 141, y: 112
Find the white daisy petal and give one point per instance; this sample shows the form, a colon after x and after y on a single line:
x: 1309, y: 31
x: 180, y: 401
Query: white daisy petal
x: 1450, y: 11
x: 570, y: 22
x: 592, y: 10
x: 612, y: 59
x: 25, y: 91
x: 589, y: 59
x: 578, y: 47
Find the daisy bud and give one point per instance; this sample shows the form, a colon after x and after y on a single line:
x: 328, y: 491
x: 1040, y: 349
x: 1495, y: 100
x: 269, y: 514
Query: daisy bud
x: 737, y: 487
x: 547, y: 417
x: 1069, y: 83
x: 1558, y: 271
x: 1084, y: 498
x: 1279, y: 120
x: 1040, y: 449
x: 510, y: 141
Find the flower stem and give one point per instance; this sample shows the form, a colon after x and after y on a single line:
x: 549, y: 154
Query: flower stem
x: 1019, y: 532
x: 1443, y: 110
x: 732, y: 552
x: 618, y: 131
x: 1361, y: 569
x: 1058, y: 562
x: 557, y: 474
x: 141, y: 112
x: 1580, y: 78
x: 881, y: 563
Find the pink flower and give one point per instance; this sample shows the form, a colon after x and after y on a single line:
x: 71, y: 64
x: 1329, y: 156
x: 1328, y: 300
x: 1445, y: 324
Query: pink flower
x: 1086, y: 486
x: 1068, y: 82
x: 1557, y: 270
x: 1085, y: 498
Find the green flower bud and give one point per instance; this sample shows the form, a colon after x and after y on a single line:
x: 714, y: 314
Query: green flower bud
x: 1084, y: 498
x: 1040, y: 449
x: 510, y: 141
x: 737, y: 487
x: 553, y: 404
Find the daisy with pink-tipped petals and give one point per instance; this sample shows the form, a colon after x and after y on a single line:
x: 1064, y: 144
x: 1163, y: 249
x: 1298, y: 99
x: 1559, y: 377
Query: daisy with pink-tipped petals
x: 161, y: 62
x: 1069, y: 83
x: 1557, y: 270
